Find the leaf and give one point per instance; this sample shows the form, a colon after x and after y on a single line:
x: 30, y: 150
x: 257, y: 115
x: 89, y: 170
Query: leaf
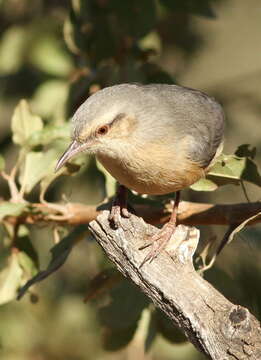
x: 10, y: 279
x: 151, y: 330
x: 245, y: 150
x: 48, y: 134
x: 231, y: 169
x: 24, y: 123
x: 37, y: 165
x: 241, y: 226
x: 114, y: 340
x: 11, y: 209
x: 144, y: 13
x: 121, y: 314
x: 102, y: 283
x: 110, y: 182
x: 204, y: 185
x: 13, y: 49
x: 60, y: 253
x: 197, y: 7
x: 167, y: 329
x: 57, y: 63
x: 54, y: 93
x: 2, y: 163
x: 28, y: 257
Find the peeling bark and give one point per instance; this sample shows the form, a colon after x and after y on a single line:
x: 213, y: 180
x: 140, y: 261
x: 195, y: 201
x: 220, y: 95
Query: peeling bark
x: 217, y: 327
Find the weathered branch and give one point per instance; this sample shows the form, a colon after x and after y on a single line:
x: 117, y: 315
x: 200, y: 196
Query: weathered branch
x: 189, y: 213
x: 218, y: 328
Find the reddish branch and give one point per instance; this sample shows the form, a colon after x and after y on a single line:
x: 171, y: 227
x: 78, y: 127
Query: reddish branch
x: 189, y: 213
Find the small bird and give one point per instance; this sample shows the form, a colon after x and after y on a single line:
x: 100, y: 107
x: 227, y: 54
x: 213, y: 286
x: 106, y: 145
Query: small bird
x: 154, y: 139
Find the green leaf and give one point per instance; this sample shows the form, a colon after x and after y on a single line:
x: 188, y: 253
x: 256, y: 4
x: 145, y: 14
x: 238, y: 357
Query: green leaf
x: 13, y: 47
x: 48, y: 134
x: 245, y: 150
x: 2, y: 163
x: 204, y: 185
x: 231, y: 169
x: 110, y: 182
x: 197, y: 7
x: 102, y: 283
x: 241, y: 227
x: 24, y: 123
x: 54, y: 93
x: 11, y: 209
x: 10, y: 279
x: 37, y: 165
x: 57, y: 63
x: 144, y: 13
x: 114, y: 340
x: 120, y: 316
x: 167, y: 329
x: 28, y: 257
x: 60, y: 253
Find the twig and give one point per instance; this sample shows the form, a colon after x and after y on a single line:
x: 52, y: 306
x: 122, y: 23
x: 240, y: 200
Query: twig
x: 189, y: 213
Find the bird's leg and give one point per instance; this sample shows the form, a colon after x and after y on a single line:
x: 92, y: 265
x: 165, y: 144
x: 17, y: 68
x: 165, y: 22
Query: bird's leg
x: 119, y: 206
x: 159, y: 241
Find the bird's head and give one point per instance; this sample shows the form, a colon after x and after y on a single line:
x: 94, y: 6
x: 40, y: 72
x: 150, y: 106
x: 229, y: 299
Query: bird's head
x: 103, y: 124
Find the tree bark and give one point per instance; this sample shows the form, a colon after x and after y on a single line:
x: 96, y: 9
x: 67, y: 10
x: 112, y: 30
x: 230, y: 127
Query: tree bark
x: 219, y: 329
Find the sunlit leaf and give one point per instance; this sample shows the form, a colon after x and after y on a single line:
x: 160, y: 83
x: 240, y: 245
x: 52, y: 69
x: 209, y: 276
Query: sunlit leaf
x: 241, y: 226
x: 11, y: 209
x: 110, y: 182
x: 28, y: 257
x: 204, y: 185
x: 24, y: 123
x: 2, y: 163
x: 151, y: 41
x: 58, y: 62
x: 231, y: 169
x: 10, y: 279
x: 48, y: 134
x: 54, y: 93
x: 37, y: 166
x: 13, y: 47
x: 151, y: 330
x: 60, y: 253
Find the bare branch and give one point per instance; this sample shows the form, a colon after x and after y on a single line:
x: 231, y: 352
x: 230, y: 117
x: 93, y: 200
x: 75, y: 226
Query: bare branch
x: 218, y: 328
x: 189, y: 213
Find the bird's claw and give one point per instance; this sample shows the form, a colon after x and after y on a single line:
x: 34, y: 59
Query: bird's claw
x: 158, y: 243
x: 117, y: 212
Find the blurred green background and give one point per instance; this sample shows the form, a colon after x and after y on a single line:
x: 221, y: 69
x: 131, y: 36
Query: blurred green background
x: 55, y: 54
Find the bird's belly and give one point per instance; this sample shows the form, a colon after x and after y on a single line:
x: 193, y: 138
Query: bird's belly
x: 150, y: 177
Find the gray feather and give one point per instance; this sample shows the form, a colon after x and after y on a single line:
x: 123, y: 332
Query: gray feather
x: 162, y: 111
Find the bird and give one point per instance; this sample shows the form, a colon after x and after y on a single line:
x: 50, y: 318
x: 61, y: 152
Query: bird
x: 154, y: 139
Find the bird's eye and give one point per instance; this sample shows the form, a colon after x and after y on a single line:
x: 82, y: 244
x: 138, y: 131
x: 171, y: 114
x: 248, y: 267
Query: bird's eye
x: 103, y: 130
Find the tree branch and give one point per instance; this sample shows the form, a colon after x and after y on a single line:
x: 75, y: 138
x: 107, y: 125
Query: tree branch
x: 218, y: 328
x: 189, y: 213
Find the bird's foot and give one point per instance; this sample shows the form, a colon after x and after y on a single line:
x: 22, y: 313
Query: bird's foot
x: 158, y: 242
x: 117, y: 212
x: 119, y: 207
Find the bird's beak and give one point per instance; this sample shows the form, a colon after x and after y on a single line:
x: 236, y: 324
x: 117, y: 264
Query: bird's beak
x: 74, y: 148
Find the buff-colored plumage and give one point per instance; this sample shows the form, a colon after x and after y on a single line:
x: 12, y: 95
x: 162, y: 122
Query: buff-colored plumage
x: 157, y: 139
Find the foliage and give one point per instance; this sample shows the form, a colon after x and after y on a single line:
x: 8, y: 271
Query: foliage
x: 105, y: 42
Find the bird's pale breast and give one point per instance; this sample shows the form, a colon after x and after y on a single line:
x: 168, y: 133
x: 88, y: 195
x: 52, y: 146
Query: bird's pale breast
x: 153, y: 171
